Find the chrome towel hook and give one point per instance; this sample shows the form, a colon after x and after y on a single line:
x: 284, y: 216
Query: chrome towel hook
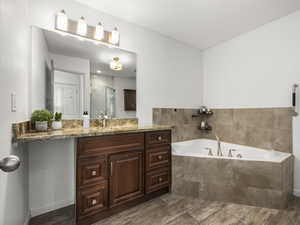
x: 10, y: 163
x: 295, y: 100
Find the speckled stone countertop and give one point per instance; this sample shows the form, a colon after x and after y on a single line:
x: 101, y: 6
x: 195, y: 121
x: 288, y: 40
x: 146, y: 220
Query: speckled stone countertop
x: 90, y: 132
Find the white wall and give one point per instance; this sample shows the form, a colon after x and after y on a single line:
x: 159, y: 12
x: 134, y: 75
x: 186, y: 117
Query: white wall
x: 257, y: 69
x: 39, y: 63
x: 14, y: 70
x: 51, y: 175
x: 120, y: 84
x: 75, y: 65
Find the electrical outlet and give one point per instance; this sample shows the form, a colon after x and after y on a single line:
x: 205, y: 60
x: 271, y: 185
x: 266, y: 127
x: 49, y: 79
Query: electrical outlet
x: 13, y: 98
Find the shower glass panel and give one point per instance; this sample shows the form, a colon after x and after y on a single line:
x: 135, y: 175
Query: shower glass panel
x: 110, y: 102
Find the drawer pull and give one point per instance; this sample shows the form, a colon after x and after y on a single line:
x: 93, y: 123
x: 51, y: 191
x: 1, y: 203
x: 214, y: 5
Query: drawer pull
x: 159, y: 138
x: 94, y: 202
x: 111, y: 169
x: 160, y: 180
x: 159, y: 157
x: 94, y: 173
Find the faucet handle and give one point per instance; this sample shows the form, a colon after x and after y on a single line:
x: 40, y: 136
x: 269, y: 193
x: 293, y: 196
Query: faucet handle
x: 230, y: 152
x: 209, y: 151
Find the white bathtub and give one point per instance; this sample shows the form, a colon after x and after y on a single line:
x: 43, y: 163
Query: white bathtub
x: 197, y: 148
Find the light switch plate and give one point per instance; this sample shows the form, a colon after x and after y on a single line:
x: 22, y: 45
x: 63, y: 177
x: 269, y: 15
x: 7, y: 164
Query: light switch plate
x: 13, y: 99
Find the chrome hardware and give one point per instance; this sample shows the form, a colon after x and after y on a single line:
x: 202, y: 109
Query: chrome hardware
x: 160, y: 179
x: 111, y: 168
x: 209, y: 151
x: 159, y: 157
x: 159, y: 138
x: 103, y: 119
x: 239, y: 156
x: 10, y: 163
x: 219, y: 153
x: 295, y: 100
x: 230, y: 152
x: 94, y: 173
x: 94, y: 202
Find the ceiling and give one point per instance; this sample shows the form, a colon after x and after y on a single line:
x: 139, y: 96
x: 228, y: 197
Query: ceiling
x: 99, y: 55
x: 198, y: 23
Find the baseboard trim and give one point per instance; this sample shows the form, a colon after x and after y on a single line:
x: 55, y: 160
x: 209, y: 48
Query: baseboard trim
x: 297, y: 192
x: 49, y: 208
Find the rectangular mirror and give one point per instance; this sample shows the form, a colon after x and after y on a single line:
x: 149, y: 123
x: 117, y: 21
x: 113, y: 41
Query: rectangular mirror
x: 73, y: 75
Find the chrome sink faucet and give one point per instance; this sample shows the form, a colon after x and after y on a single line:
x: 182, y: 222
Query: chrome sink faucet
x: 103, y: 119
x: 219, y: 153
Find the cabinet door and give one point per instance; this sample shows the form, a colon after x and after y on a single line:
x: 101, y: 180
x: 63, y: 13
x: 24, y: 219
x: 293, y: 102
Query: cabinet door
x: 126, y: 177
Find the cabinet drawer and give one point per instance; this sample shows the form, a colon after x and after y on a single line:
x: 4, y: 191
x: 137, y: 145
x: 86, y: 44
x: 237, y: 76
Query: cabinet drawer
x: 110, y: 144
x: 158, y: 157
x: 157, y: 179
x: 91, y: 170
x: 92, y: 200
x: 158, y: 138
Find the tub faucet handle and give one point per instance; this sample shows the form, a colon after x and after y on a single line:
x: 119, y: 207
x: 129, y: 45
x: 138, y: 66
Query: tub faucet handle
x: 230, y: 152
x: 209, y: 151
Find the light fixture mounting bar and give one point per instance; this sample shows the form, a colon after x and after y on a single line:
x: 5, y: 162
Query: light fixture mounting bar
x: 72, y: 29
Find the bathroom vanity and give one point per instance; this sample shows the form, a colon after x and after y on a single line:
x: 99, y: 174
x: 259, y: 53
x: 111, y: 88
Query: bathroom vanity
x: 115, y: 172
x: 116, y: 167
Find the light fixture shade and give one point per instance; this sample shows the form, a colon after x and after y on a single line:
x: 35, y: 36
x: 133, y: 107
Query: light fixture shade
x: 81, y: 26
x: 99, y: 32
x: 115, y: 64
x: 115, y: 36
x: 62, y: 21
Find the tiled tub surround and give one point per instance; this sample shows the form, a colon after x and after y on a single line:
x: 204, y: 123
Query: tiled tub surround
x: 266, y: 128
x: 260, y: 178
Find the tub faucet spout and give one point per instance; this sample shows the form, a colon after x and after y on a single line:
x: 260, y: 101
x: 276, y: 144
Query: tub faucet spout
x: 219, y: 146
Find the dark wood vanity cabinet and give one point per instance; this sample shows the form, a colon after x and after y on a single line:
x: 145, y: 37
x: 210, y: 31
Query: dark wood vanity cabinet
x: 118, y: 171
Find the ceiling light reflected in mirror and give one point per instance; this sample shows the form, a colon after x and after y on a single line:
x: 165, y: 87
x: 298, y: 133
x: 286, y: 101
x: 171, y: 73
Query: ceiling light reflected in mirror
x: 115, y: 64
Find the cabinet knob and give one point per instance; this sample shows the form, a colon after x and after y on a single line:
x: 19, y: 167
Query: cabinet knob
x: 94, y: 202
x: 160, y: 179
x: 159, y: 138
x: 159, y: 157
x: 94, y: 173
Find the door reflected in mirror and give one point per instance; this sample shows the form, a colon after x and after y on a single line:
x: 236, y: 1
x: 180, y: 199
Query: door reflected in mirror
x: 72, y: 76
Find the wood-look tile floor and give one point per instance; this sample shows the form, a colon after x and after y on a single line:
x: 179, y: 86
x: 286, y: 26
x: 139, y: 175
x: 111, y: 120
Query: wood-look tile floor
x: 174, y: 210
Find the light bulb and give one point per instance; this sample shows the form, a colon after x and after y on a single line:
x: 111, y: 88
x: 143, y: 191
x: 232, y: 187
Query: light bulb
x: 62, y: 21
x: 115, y: 64
x: 81, y: 26
x: 115, y: 35
x: 99, y: 32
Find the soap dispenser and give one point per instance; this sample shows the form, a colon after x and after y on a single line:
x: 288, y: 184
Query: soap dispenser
x: 86, y: 120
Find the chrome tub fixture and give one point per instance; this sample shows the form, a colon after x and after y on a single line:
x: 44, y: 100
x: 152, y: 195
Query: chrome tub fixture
x: 209, y: 151
x: 295, y: 100
x: 219, y: 153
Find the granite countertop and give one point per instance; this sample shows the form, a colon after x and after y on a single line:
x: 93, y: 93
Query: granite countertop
x: 90, y: 132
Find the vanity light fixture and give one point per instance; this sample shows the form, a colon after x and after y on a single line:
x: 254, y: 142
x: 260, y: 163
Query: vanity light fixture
x: 62, y: 21
x: 81, y: 27
x: 114, y: 36
x: 99, y: 32
x: 83, y: 31
x: 115, y: 64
